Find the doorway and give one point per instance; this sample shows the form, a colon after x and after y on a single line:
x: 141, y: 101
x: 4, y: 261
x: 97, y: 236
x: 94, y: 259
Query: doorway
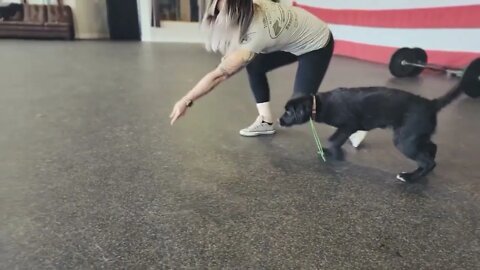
x: 171, y: 20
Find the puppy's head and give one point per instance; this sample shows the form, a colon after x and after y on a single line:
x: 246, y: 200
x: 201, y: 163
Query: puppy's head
x: 297, y: 111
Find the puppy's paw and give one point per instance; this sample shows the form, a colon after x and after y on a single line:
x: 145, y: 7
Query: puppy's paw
x: 326, y: 151
x: 402, y: 177
x: 335, y: 154
x: 406, y: 177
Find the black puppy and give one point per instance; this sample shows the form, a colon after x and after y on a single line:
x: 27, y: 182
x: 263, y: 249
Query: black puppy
x: 412, y: 118
x: 10, y: 10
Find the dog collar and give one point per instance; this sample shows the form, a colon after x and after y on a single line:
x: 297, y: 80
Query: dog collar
x: 314, y: 107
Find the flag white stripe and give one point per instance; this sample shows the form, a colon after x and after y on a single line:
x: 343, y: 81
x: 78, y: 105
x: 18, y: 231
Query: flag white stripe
x: 385, y: 4
x: 464, y: 40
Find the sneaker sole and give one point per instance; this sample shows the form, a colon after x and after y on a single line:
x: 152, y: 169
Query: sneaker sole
x: 258, y: 133
x: 357, y: 138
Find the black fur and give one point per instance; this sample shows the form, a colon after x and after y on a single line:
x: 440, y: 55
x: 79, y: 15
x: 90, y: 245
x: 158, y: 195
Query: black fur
x: 9, y: 11
x: 412, y: 118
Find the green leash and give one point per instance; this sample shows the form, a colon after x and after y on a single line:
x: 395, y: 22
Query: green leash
x: 317, y: 141
x: 320, y: 152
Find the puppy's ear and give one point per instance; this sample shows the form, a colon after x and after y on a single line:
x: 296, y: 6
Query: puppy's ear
x: 297, y: 101
x: 291, y: 103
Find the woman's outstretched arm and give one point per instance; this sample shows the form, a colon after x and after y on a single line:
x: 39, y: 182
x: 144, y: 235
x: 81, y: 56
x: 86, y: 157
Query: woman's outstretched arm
x: 231, y: 64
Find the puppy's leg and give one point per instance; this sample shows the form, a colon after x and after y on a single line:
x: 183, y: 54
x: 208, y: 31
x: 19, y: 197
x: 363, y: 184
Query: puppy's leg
x: 338, y: 138
x: 410, y: 150
x: 426, y: 159
x: 425, y: 165
x: 432, y: 149
x: 418, y: 149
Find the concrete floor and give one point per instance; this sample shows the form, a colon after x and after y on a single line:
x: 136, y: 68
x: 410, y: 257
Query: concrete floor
x: 92, y: 175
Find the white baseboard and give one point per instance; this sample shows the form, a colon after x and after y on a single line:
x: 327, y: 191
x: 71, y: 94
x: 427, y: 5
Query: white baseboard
x: 92, y: 36
x: 182, y: 32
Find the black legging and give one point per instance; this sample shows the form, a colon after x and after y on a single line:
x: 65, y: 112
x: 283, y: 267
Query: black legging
x: 312, y: 67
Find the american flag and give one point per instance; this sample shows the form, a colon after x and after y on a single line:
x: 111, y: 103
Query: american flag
x: 449, y: 30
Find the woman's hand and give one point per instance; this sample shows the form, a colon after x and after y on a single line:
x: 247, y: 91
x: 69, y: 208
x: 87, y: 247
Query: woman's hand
x: 178, y: 111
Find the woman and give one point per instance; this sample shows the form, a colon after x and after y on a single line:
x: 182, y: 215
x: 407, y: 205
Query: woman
x: 262, y: 35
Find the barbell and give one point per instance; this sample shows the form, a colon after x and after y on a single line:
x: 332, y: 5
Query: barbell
x: 410, y: 62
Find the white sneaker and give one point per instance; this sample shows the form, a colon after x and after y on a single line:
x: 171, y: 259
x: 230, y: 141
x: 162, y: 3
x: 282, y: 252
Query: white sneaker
x: 357, y: 138
x: 259, y: 127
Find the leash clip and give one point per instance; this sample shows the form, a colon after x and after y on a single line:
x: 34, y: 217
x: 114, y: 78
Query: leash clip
x: 314, y: 107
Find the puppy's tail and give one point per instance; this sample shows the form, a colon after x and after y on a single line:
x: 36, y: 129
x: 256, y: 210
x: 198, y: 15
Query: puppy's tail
x: 450, y: 96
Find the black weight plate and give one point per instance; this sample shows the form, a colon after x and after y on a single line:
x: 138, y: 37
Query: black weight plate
x: 421, y: 55
x: 422, y: 58
x: 470, y: 82
x: 396, y: 67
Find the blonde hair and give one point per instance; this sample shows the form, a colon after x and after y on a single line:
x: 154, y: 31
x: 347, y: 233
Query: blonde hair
x: 226, y: 26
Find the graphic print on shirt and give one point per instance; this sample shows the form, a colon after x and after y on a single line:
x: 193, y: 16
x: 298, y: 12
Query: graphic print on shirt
x: 277, y: 19
x: 247, y: 38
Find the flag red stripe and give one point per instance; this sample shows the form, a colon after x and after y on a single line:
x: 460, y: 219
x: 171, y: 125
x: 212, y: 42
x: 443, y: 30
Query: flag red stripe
x: 382, y: 54
x: 435, y: 17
